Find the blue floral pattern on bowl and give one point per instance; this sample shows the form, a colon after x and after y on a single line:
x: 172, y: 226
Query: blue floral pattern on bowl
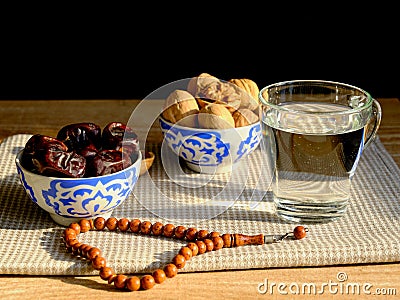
x: 208, y: 147
x: 94, y: 196
x: 250, y: 143
x: 28, y: 188
x: 199, y: 148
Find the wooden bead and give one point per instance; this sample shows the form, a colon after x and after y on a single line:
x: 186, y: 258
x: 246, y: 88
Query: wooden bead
x: 159, y: 276
x: 134, y: 225
x: 83, y: 249
x: 145, y: 227
x: 106, y: 272
x: 201, y: 246
x: 227, y: 238
x: 98, y: 262
x: 170, y: 270
x: 111, y: 278
x: 168, y: 230
x: 213, y: 234
x: 75, y: 227
x: 147, y: 282
x: 99, y: 223
x: 68, y: 238
x: 112, y: 223
x: 186, y: 252
x: 180, y: 232
x: 119, y: 281
x: 69, y: 233
x: 123, y: 224
x: 218, y: 243
x: 191, y: 234
x: 193, y: 246
x: 157, y: 228
x: 71, y: 242
x: 209, y: 245
x: 299, y: 232
x: 93, y: 252
x: 202, y: 234
x: 85, y: 225
x: 75, y: 248
x: 133, y: 283
x: 179, y: 261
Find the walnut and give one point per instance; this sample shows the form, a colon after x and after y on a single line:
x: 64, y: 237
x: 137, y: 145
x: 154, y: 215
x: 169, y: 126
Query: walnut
x: 215, y: 116
x: 249, y: 91
x: 181, y: 107
x: 244, y: 117
x: 205, y: 86
x: 210, y: 89
x: 230, y: 96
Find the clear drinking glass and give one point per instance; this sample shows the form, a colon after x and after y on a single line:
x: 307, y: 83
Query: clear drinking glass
x: 314, y: 133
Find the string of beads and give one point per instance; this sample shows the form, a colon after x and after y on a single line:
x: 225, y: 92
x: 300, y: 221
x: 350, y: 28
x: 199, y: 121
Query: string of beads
x: 199, y: 242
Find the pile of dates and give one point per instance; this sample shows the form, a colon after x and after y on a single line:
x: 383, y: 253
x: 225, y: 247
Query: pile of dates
x: 82, y: 150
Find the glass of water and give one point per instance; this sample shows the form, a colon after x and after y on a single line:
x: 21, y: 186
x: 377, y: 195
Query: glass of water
x: 314, y: 133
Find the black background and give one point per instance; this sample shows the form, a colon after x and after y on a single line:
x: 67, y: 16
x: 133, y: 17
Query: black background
x: 107, y: 59
x: 134, y: 76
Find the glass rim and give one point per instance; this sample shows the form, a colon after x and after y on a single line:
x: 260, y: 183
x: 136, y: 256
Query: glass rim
x: 367, y: 105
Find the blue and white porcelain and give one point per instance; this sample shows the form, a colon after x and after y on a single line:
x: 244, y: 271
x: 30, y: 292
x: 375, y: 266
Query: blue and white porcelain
x: 211, y: 150
x: 69, y: 200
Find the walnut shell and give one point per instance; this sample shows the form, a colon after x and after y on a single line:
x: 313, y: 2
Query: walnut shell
x: 244, y: 117
x: 230, y: 96
x: 215, y: 116
x: 249, y: 91
x: 205, y: 86
x: 181, y: 107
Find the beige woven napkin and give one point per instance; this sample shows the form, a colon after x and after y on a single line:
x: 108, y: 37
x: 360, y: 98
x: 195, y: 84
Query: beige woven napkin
x: 227, y: 203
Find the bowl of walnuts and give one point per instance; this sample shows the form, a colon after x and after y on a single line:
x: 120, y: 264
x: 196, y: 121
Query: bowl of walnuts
x: 82, y: 173
x: 213, y: 124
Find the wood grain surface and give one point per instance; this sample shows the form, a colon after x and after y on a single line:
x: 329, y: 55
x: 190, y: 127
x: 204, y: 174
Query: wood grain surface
x: 376, y: 281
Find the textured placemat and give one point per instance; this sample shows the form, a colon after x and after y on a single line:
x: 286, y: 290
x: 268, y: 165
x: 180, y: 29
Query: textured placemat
x: 228, y: 203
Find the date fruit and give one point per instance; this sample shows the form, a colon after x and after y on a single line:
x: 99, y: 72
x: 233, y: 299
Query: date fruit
x: 106, y: 162
x: 79, y: 135
x: 89, y: 151
x: 118, y: 136
x: 50, y: 157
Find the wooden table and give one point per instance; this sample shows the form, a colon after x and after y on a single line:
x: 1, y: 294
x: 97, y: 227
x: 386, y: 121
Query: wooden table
x: 47, y: 117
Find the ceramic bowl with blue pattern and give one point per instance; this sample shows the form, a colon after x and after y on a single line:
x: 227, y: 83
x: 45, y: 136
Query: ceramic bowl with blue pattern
x: 211, y: 151
x: 69, y: 200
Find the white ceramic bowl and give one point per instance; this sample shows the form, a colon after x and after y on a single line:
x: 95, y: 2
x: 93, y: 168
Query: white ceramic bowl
x: 69, y: 200
x: 211, y: 150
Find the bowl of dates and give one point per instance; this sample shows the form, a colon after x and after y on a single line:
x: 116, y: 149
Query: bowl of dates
x: 84, y: 172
